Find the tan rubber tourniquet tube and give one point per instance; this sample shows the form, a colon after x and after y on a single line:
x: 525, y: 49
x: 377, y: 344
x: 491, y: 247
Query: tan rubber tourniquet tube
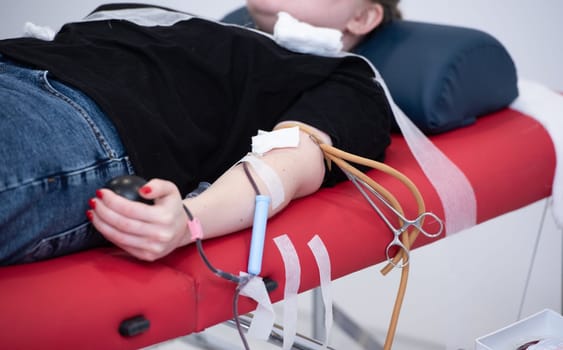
x: 341, y: 158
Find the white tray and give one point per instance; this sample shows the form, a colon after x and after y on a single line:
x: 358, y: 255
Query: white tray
x: 544, y: 324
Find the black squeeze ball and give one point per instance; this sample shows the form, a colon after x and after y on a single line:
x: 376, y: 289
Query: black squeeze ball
x: 128, y: 186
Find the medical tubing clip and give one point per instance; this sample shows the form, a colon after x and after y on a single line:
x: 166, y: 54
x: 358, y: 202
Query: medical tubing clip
x: 342, y: 159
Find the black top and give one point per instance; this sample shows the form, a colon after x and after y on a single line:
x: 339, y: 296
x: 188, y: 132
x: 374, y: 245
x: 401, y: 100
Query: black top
x: 187, y: 97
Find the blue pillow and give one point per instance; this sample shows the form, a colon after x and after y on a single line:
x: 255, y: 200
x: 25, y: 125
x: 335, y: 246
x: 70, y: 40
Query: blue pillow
x: 443, y: 77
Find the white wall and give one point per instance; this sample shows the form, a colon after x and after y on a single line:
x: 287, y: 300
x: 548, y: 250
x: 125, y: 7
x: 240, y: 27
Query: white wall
x: 529, y: 29
x: 54, y: 13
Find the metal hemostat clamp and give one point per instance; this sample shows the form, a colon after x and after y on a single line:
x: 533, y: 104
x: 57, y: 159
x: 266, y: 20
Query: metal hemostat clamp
x: 417, y: 223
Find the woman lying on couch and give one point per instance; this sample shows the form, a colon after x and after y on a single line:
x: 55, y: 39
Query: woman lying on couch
x: 135, y: 89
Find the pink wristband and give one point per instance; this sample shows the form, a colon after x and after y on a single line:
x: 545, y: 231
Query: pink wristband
x: 195, y: 229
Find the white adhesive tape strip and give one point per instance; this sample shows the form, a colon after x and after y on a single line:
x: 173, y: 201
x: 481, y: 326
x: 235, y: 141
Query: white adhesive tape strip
x: 453, y: 187
x: 269, y: 177
x: 292, y: 281
x: 264, y: 316
x: 323, y: 262
x: 266, y: 141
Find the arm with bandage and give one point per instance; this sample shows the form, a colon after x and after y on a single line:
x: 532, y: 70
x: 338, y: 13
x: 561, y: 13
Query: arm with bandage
x: 151, y: 232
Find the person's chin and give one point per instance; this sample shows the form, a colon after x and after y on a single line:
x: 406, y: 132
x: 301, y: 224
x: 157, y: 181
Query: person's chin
x: 265, y: 21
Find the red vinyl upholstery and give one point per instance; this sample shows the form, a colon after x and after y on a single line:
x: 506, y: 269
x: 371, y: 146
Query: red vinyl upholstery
x: 79, y: 301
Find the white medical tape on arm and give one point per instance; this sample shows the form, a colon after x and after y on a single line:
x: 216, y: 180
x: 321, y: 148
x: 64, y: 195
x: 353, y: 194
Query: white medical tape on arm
x: 292, y: 281
x: 264, y: 316
x: 268, y: 177
x: 266, y: 141
x: 323, y: 262
x: 451, y: 184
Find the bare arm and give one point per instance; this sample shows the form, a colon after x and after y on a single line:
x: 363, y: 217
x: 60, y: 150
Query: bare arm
x: 227, y: 206
x: 151, y: 232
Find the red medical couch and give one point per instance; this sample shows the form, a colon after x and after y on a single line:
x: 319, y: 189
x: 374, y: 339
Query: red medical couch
x: 81, y: 301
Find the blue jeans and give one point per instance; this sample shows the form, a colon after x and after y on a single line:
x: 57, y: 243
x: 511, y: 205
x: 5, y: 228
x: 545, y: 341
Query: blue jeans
x: 56, y: 148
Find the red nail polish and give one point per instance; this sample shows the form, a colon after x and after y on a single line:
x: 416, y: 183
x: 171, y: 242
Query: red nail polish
x: 146, y: 190
x: 89, y: 215
x: 92, y: 203
x: 99, y: 194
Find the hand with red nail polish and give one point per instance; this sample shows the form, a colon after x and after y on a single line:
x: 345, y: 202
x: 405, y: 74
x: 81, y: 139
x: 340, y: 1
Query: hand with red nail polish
x: 146, y: 231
